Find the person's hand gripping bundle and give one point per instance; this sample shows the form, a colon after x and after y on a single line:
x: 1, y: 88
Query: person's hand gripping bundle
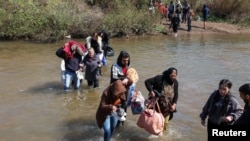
x: 120, y: 113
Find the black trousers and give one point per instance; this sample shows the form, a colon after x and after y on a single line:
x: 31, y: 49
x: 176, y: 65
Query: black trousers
x: 189, y: 24
x: 95, y: 82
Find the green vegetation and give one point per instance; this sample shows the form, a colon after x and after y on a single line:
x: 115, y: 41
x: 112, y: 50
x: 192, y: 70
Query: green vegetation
x: 51, y: 20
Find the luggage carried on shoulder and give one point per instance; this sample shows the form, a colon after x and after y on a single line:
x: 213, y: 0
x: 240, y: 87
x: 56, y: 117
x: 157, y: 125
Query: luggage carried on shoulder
x: 65, y: 52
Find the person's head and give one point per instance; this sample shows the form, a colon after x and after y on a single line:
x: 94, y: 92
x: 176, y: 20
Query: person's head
x: 104, y: 35
x: 170, y: 75
x: 123, y: 59
x: 95, y: 36
x: 118, y: 90
x: 91, y: 52
x: 224, y: 87
x: 245, y: 93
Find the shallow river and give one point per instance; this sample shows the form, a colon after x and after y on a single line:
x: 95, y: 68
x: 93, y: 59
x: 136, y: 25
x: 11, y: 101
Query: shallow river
x: 34, y: 106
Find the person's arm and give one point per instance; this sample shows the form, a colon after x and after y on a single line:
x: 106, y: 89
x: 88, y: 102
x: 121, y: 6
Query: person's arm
x: 149, y: 84
x: 106, y: 107
x: 175, y: 98
x: 62, y: 65
x: 113, y: 74
x: 88, y: 40
x: 205, y: 109
x: 99, y: 41
x: 176, y: 92
x: 116, y: 73
x: 235, y: 110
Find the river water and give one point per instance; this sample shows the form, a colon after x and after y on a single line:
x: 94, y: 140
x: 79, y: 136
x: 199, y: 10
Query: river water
x: 34, y: 106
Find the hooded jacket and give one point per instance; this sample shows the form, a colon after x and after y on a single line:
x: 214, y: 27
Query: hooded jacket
x: 109, y: 96
x: 116, y: 72
x: 230, y: 107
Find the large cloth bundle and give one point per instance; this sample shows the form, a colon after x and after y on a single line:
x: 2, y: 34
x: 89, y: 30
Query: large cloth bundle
x: 68, y: 47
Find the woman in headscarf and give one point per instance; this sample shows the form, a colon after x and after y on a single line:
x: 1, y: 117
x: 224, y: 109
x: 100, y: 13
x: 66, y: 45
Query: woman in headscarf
x: 165, y: 88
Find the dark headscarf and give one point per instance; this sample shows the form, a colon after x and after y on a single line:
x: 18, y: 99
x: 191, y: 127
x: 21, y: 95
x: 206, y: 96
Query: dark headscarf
x: 166, y: 75
x: 121, y: 55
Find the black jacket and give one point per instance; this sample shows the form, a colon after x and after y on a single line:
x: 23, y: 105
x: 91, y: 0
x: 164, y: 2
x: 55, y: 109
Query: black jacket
x: 156, y: 83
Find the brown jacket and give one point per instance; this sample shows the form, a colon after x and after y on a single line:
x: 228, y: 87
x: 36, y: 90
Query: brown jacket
x: 114, y: 91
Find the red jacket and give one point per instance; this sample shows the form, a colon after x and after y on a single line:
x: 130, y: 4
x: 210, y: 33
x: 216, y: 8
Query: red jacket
x: 67, y: 49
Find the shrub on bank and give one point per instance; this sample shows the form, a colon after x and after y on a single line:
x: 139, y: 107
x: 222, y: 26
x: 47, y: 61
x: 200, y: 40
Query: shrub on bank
x: 45, y: 21
x: 51, y: 20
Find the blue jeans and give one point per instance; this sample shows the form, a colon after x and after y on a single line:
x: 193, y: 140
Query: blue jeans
x: 69, y: 78
x: 109, y: 126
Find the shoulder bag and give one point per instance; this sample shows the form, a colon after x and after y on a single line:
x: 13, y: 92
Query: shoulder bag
x: 151, y: 120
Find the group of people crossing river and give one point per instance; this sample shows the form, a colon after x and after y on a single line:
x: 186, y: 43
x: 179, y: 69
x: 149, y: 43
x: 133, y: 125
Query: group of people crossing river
x: 221, y: 108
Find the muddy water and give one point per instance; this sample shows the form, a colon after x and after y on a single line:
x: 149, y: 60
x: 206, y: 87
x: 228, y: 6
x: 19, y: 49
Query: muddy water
x: 35, y: 107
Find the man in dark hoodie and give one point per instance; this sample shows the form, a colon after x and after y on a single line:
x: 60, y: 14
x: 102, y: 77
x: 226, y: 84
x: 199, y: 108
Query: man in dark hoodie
x: 165, y: 88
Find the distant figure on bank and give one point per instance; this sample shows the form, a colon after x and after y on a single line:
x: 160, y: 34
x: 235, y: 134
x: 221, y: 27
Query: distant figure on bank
x: 205, y: 13
x: 178, y: 10
x: 184, y: 12
x: 175, y: 21
x: 190, y: 14
x: 171, y: 10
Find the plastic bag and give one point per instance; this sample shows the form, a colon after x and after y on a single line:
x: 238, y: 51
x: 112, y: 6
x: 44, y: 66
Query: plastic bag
x: 137, y: 103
